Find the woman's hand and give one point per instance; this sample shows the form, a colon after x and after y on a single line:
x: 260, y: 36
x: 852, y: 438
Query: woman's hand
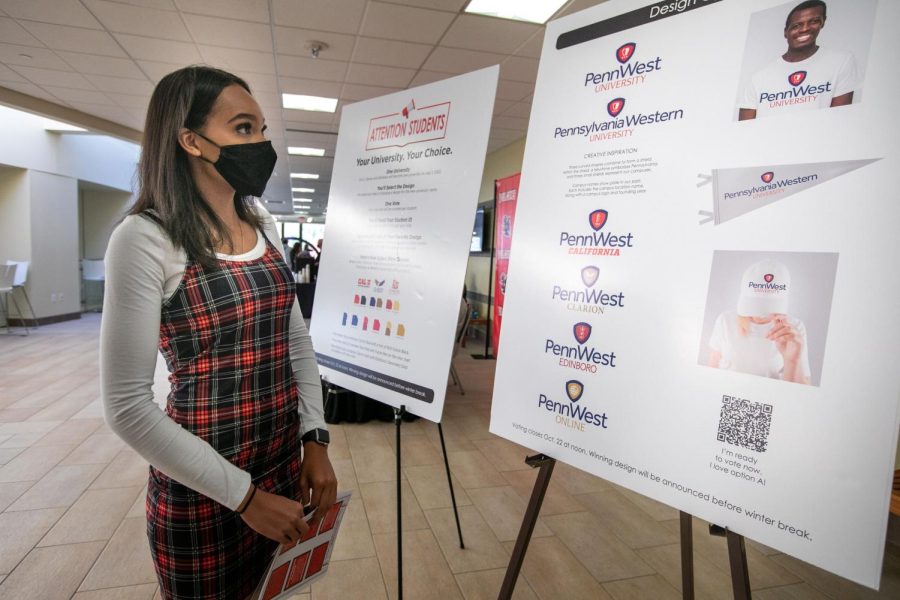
x: 276, y: 517
x: 318, y: 484
x: 787, y: 339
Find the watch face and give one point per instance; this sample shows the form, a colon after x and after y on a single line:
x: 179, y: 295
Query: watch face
x: 323, y: 436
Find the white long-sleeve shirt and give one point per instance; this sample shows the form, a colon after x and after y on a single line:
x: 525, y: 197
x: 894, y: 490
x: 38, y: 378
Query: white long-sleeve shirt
x: 143, y: 269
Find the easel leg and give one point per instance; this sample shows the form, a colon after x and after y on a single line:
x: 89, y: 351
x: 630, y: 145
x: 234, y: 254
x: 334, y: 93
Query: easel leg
x: 450, y: 483
x: 737, y: 557
x: 687, y: 556
x: 528, y: 522
x: 398, y: 420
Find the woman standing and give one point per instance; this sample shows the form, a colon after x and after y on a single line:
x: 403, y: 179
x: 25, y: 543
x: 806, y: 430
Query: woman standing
x: 195, y: 270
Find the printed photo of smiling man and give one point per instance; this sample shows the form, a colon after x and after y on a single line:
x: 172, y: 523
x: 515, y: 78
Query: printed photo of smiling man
x: 812, y: 70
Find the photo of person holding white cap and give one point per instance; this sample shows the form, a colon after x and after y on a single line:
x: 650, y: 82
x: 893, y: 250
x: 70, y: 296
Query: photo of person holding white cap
x: 759, y: 337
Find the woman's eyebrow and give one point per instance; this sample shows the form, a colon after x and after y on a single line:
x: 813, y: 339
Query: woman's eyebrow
x: 250, y: 116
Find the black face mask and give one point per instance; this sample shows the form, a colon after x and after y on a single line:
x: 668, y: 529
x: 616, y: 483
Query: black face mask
x: 246, y: 167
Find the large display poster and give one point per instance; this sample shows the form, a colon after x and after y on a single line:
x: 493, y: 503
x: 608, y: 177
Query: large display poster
x: 507, y: 193
x: 702, y: 294
x: 407, y: 170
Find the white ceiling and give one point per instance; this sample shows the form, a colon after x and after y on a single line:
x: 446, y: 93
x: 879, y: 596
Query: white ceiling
x: 103, y: 57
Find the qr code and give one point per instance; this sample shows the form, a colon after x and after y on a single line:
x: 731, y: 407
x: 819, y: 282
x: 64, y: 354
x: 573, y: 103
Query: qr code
x: 744, y: 423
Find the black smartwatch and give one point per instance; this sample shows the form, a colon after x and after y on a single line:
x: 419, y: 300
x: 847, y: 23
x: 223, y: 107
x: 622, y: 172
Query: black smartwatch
x: 319, y: 436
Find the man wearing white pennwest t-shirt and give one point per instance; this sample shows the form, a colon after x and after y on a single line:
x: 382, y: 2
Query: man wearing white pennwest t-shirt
x: 806, y: 76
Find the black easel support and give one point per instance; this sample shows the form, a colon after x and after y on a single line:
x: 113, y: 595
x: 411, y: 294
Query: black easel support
x: 398, y: 420
x: 737, y: 560
x: 450, y: 483
x: 546, y: 465
x: 687, y: 556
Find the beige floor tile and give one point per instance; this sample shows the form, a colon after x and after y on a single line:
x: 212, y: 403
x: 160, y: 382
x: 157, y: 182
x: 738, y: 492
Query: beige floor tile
x: 355, y: 539
x: 98, y: 448
x: 51, y: 573
x: 10, y: 492
x: 21, y: 531
x: 380, y: 501
x: 377, y: 463
x: 503, y: 509
x: 33, y: 463
x: 710, y: 583
x: 503, y: 454
x: 473, y: 470
x: 556, y: 500
x: 365, y: 436
x: 554, y: 573
x: 69, y: 406
x: 59, y: 488
x: 657, y: 510
x: 348, y: 579
x: 642, y: 588
x: 126, y: 470
x: 799, y: 591
x: 417, y: 450
x: 837, y: 587
x: 602, y: 553
x: 14, y: 415
x: 576, y: 481
x: 94, y: 517
x: 629, y: 523
x: 485, y: 585
x: 138, y: 507
x: 474, y: 427
x: 70, y: 433
x: 345, y: 473
x: 482, y: 549
x: 132, y: 592
x: 93, y: 410
x: 48, y: 394
x: 426, y: 574
x: 339, y: 448
x: 42, y: 427
x: 7, y: 454
x: 454, y: 438
x: 21, y: 441
x: 125, y: 561
x: 429, y: 484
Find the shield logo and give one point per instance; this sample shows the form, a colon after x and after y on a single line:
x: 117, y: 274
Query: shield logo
x: 797, y: 77
x: 615, y: 106
x: 589, y: 275
x: 582, y: 332
x: 767, y: 177
x: 379, y: 283
x: 574, y: 390
x: 625, y: 52
x: 598, y: 219
x: 768, y: 277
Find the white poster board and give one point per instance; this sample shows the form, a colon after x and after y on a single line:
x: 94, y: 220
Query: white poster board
x: 407, y: 171
x: 638, y: 332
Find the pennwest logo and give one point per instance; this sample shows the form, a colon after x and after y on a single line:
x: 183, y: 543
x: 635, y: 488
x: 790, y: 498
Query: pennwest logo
x: 767, y: 177
x: 797, y: 77
x: 615, y: 106
x: 596, y: 242
x: 598, y: 219
x: 581, y: 357
x: 768, y: 277
x: 582, y: 332
x: 574, y: 390
x: 589, y: 275
x: 625, y: 52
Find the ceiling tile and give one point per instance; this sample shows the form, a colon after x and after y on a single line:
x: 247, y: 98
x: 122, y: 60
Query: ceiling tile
x: 519, y: 68
x: 130, y: 101
x: 290, y: 40
x: 424, y: 77
x: 31, y: 90
x: 270, y: 102
x: 102, y: 65
x: 396, y: 22
x: 501, y: 105
x: 307, y: 126
x: 261, y: 83
x: 519, y: 109
x: 455, y: 60
x: 59, y: 78
x: 311, y: 68
x: 506, y: 134
x: 157, y: 70
x: 475, y: 32
x: 160, y: 4
x: 514, y: 90
x: 379, y: 75
x: 532, y: 48
x: 355, y: 93
x: 213, y: 31
x: 577, y: 5
x: 150, y: 22
x: 7, y: 74
x: 245, y: 10
x: 72, y: 96
x: 453, y: 6
x: 507, y: 122
x: 307, y: 116
x: 239, y: 61
x: 341, y: 16
x: 376, y: 51
x: 121, y: 85
x: 62, y: 37
x: 61, y: 12
x: 110, y: 113
x: 310, y: 87
x: 11, y: 54
x: 13, y: 33
x: 157, y: 50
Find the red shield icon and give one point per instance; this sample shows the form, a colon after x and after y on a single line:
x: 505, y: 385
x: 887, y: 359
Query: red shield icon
x: 625, y: 52
x: 767, y: 177
x: 574, y: 390
x: 615, y: 106
x: 797, y: 77
x: 589, y: 275
x: 768, y: 277
x: 582, y: 332
x: 598, y: 219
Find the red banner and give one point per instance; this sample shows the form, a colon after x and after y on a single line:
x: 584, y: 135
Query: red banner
x: 507, y: 192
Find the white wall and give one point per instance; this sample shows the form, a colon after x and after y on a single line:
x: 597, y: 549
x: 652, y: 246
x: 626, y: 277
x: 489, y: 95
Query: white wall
x: 15, y: 216
x: 101, y: 211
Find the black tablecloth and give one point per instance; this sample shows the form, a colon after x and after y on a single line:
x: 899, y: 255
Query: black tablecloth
x: 345, y: 406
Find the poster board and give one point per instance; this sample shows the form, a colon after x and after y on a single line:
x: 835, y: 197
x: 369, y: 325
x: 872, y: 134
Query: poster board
x: 404, y: 189
x: 506, y: 191
x: 660, y: 242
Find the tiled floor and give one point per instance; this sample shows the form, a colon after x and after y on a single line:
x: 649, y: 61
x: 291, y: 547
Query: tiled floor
x: 72, y: 525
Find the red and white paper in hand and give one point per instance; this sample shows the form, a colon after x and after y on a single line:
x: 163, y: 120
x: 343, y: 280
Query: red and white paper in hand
x: 298, y: 565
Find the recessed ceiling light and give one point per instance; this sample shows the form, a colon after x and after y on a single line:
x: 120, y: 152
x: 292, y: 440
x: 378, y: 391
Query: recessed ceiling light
x: 301, y: 151
x: 305, y: 175
x: 532, y: 11
x: 302, y: 201
x: 304, y: 190
x: 315, y: 103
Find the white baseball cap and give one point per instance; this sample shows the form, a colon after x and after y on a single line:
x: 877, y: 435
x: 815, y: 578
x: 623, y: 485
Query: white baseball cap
x: 765, y: 287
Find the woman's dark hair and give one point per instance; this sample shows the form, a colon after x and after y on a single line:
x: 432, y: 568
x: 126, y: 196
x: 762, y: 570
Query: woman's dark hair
x: 184, y: 98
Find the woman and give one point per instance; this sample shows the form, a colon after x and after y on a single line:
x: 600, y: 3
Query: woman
x: 196, y: 270
x: 759, y: 337
x: 296, y: 252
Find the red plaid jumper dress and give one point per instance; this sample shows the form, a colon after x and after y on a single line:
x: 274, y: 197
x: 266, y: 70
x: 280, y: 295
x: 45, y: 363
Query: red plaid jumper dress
x: 224, y: 334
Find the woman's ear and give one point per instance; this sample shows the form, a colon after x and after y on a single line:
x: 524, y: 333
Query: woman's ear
x: 187, y: 139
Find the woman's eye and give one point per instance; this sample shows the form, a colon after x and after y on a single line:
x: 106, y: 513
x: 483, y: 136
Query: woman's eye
x: 244, y: 128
